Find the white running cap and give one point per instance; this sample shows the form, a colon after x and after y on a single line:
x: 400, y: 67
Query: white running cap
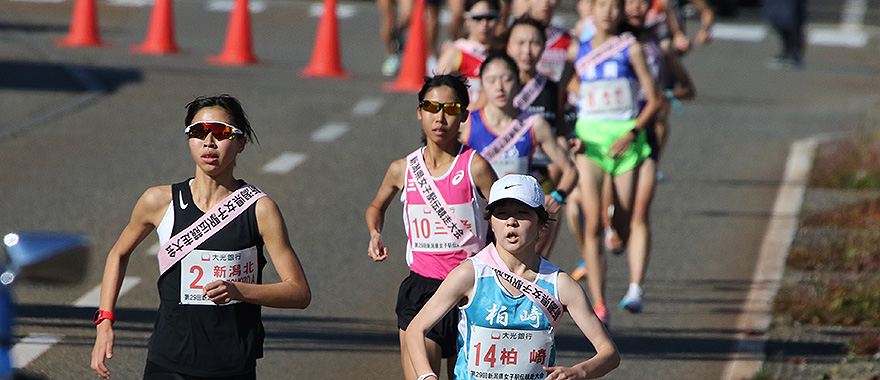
x: 523, y: 188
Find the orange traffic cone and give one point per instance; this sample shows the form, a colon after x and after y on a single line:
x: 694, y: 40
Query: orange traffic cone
x: 238, y: 50
x: 326, y: 60
x: 83, y: 26
x: 412, y: 69
x: 160, y: 33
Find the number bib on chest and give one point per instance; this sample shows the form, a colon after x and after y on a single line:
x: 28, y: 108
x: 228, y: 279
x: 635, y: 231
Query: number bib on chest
x: 429, y: 234
x: 201, y: 267
x: 607, y: 100
x: 509, y: 354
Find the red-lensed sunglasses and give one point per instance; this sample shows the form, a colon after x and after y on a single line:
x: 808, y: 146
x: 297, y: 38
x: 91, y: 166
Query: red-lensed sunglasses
x: 220, y: 130
x: 452, y: 108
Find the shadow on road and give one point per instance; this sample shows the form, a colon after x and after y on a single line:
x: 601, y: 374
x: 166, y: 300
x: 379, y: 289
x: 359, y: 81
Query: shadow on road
x: 49, y: 76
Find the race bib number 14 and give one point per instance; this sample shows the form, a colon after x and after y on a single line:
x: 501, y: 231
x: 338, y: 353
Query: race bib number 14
x: 509, y: 354
x: 200, y: 267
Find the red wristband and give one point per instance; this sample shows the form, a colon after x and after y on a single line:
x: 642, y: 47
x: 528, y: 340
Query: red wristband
x: 101, y: 315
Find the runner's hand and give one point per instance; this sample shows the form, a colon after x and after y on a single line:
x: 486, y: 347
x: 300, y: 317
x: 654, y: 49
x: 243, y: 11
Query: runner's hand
x: 576, y: 145
x: 621, y: 145
x: 377, y: 250
x: 103, y: 348
x: 551, y: 205
x: 564, y: 373
x: 221, y: 292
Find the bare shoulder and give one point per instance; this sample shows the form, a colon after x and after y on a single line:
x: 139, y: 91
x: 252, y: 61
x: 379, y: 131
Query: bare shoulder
x: 570, y: 291
x: 266, y: 205
x: 156, y: 198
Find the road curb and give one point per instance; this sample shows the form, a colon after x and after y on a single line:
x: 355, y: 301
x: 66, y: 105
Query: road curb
x: 757, y: 312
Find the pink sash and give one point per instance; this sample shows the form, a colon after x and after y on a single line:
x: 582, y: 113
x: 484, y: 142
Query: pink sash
x: 530, y: 92
x: 514, y: 132
x: 180, y: 245
x: 551, y: 306
x: 429, y: 192
x: 606, y: 50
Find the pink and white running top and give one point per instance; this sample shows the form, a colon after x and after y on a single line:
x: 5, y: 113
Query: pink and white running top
x: 431, y: 251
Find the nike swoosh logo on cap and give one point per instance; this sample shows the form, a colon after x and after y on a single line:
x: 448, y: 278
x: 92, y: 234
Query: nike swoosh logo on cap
x: 509, y: 186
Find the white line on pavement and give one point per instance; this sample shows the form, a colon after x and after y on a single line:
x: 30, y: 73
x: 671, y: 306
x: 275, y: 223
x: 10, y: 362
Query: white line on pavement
x: 31, y: 347
x: 329, y: 132
x: 367, y: 106
x: 284, y: 163
x: 758, y: 308
x: 226, y: 6
x: 342, y: 11
x: 838, y: 37
x: 853, y: 14
x: 751, y: 33
x: 131, y: 3
x: 93, y: 297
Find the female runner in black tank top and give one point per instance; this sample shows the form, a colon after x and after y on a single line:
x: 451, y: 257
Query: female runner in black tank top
x: 206, y: 341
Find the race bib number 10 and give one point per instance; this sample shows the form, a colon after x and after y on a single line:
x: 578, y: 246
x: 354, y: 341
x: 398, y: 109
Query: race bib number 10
x: 509, y: 354
x: 201, y: 267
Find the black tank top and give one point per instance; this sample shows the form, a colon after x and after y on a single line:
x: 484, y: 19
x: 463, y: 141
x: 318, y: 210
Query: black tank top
x: 208, y: 340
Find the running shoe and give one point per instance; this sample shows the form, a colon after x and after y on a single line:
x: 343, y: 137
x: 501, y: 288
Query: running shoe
x: 579, y: 272
x: 611, y: 242
x: 391, y: 65
x: 602, y: 313
x: 632, y: 300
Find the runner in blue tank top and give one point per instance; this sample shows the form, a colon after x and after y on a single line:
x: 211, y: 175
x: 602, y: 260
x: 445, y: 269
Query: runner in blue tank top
x: 503, y: 333
x: 612, y: 127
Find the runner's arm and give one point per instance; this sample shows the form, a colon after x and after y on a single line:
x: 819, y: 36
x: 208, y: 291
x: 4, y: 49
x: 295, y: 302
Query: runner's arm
x: 449, y: 61
x: 454, y: 290
x: 147, y: 214
x: 607, y: 357
x: 293, y: 289
x: 376, y: 211
x: 558, y: 155
x: 640, y: 66
x: 685, y: 89
x: 483, y: 174
x: 707, y: 19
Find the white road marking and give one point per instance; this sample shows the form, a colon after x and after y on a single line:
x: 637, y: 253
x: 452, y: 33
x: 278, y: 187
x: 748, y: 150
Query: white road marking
x: 758, y: 308
x: 31, y: 347
x: 329, y: 132
x: 284, y: 163
x: 853, y: 14
x: 367, y: 106
x: 837, y: 37
x: 226, y: 6
x: 92, y: 299
x: 131, y: 3
x: 343, y: 11
x: 735, y: 32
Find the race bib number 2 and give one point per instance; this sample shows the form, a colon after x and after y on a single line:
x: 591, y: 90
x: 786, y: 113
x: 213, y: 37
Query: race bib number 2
x: 201, y: 267
x: 509, y: 354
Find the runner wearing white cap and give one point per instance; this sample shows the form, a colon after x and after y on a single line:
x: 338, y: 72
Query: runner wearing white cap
x: 511, y: 301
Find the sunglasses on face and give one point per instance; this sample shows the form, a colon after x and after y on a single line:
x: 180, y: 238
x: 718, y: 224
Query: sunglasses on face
x: 488, y: 16
x: 220, y: 130
x: 452, y: 108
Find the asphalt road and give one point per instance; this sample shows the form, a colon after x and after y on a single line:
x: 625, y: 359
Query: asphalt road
x: 86, y: 131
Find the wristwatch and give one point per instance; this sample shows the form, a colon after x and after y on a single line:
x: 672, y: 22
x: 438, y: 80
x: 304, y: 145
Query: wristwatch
x: 101, y: 315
